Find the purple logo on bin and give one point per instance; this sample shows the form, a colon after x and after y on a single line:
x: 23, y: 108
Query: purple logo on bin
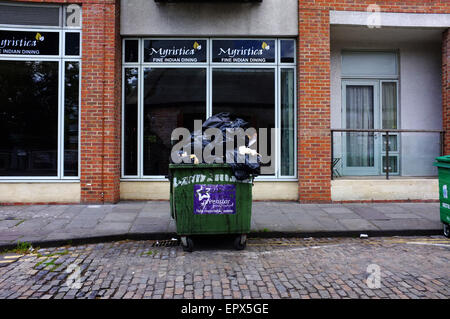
x: 214, y: 199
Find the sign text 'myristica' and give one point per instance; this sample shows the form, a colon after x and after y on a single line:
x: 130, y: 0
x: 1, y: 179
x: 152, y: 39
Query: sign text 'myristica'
x: 175, y: 51
x: 29, y: 43
x: 223, y: 51
x: 243, y: 51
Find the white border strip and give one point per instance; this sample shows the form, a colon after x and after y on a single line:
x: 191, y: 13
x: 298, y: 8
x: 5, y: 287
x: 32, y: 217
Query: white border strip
x: 389, y: 19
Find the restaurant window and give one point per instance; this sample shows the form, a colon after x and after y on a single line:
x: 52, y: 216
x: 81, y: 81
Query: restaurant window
x: 169, y: 83
x: 40, y: 65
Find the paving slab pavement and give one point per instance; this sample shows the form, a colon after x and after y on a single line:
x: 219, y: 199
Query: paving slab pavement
x: 49, y: 225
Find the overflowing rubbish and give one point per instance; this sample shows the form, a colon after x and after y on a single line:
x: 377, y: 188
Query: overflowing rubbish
x: 243, y: 159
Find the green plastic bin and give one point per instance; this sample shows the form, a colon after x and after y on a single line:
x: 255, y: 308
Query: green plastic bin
x: 443, y: 164
x: 206, y: 199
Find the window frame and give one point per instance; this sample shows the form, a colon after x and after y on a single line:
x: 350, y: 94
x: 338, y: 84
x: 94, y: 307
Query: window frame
x: 277, y: 66
x: 61, y: 59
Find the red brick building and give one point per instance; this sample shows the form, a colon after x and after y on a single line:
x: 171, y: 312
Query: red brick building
x: 326, y: 65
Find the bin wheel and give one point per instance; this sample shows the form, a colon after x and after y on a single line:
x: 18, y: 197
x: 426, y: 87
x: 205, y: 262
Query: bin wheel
x: 447, y: 230
x: 189, y: 245
x: 240, y: 242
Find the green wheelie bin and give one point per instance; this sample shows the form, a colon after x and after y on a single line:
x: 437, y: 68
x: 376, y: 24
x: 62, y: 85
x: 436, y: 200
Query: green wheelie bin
x: 443, y: 164
x: 207, y: 199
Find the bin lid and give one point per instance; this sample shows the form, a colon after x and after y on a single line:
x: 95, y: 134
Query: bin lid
x: 200, y: 165
x: 445, y: 158
x: 443, y: 161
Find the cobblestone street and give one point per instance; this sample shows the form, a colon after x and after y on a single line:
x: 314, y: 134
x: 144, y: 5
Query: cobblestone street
x: 409, y: 267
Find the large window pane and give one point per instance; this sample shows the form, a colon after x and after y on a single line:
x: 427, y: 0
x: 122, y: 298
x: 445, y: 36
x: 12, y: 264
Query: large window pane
x: 28, y: 118
x: 71, y: 108
x: 131, y: 121
x: 246, y: 93
x: 287, y: 122
x: 173, y: 97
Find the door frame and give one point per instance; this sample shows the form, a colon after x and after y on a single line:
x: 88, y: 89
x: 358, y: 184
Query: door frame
x: 362, y: 171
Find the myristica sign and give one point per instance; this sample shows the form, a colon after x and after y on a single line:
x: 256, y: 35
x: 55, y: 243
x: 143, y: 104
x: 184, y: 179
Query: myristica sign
x: 243, y: 51
x: 175, y: 51
x: 29, y: 43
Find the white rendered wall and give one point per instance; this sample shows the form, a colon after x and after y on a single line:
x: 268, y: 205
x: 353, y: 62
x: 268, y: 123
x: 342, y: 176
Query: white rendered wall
x: 266, y: 18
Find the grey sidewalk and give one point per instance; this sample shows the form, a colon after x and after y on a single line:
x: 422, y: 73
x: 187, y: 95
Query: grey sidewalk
x: 47, y: 225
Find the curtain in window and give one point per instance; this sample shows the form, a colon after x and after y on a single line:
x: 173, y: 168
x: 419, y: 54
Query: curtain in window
x: 389, y: 99
x: 360, y: 115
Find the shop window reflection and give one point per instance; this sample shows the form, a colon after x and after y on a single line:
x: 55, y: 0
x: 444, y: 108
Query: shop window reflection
x: 173, y: 97
x: 28, y: 118
x: 130, y: 119
x: 71, y: 103
x: 248, y: 94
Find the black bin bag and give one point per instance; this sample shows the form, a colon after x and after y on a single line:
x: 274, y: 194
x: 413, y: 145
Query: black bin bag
x: 243, y: 166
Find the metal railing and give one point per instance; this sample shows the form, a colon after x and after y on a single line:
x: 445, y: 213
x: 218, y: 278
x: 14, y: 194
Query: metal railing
x: 387, y: 132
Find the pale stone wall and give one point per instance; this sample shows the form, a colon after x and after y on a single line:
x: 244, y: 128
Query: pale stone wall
x: 144, y: 190
x: 40, y: 192
x: 275, y: 191
x: 394, y: 189
x: 160, y: 191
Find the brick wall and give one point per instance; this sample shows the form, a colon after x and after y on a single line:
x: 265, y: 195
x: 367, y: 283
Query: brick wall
x: 100, y: 99
x: 314, y: 147
x: 100, y: 103
x: 446, y: 89
x: 314, y: 106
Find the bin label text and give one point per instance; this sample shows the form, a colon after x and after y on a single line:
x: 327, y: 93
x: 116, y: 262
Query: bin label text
x: 214, y: 199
